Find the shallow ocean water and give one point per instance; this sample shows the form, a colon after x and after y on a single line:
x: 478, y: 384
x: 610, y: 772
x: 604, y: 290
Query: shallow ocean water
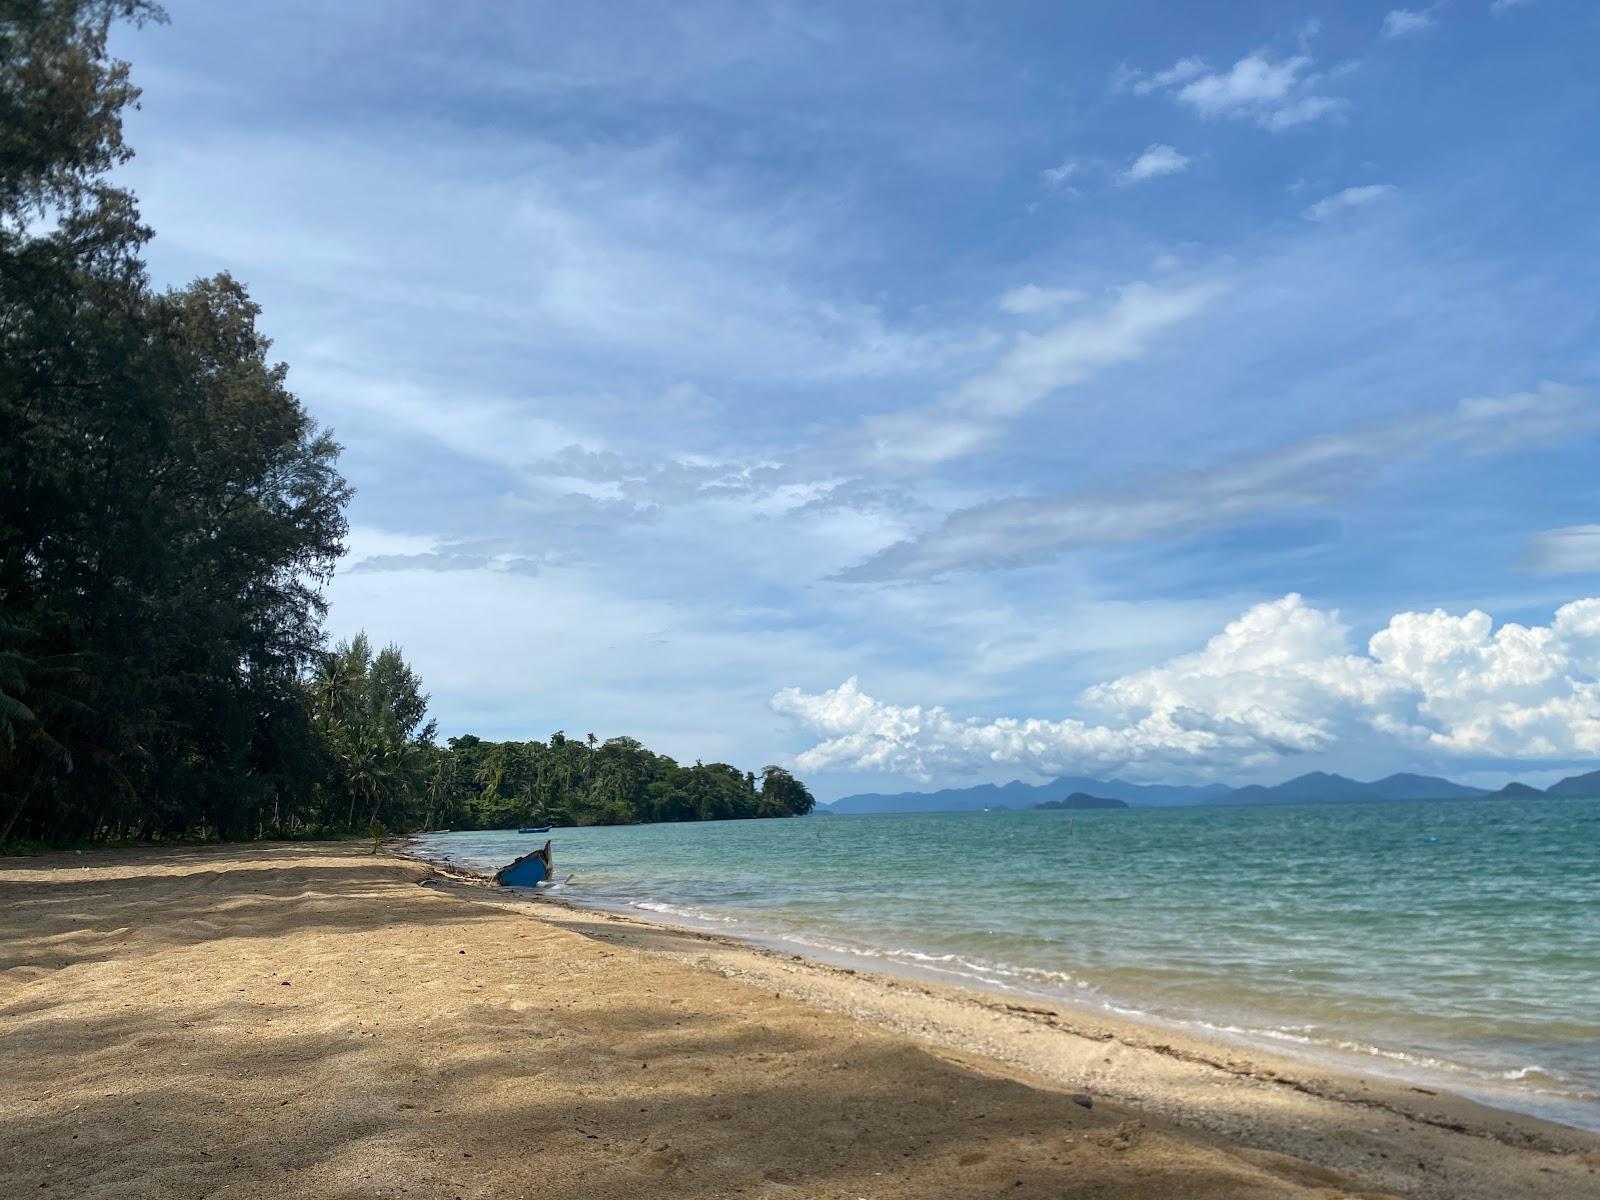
x: 1455, y: 943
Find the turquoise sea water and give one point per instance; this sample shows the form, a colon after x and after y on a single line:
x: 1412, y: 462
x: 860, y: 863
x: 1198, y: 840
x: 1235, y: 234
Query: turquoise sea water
x: 1452, y: 943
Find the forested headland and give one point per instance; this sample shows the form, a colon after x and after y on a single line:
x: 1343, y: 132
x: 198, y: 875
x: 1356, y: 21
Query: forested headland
x: 169, y: 516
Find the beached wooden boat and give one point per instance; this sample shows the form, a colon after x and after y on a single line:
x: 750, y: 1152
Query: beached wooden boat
x: 531, y: 869
x: 535, y: 829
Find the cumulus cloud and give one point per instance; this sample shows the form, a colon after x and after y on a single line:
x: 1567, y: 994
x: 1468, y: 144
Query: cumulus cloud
x: 1281, y: 680
x: 1275, y: 93
x: 1573, y: 548
x: 1402, y: 22
x: 1350, y: 197
x: 1316, y: 471
x: 1157, y: 160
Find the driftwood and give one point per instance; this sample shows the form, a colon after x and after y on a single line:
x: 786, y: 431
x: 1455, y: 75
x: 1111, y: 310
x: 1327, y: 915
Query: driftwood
x: 438, y: 871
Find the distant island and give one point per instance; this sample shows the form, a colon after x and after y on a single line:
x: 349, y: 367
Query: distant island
x: 1316, y: 787
x: 1514, y: 791
x: 1080, y: 800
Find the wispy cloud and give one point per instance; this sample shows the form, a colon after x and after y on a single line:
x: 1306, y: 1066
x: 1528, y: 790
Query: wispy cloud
x: 1575, y: 548
x: 1026, y: 530
x: 1058, y: 175
x: 1156, y: 160
x: 1120, y: 331
x: 1030, y: 299
x: 1180, y: 72
x: 1350, y: 197
x: 1035, y: 365
x: 1403, y: 22
x: 722, y: 305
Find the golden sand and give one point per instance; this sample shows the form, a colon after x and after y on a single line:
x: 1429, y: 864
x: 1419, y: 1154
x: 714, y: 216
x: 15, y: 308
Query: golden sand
x: 288, y: 1021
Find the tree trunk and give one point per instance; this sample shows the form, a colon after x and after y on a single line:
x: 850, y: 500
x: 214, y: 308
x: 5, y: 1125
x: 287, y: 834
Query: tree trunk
x: 12, y: 823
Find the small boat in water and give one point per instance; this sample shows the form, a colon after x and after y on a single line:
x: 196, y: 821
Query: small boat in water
x: 531, y: 869
x: 535, y: 829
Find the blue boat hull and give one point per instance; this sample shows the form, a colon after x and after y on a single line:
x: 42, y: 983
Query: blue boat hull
x: 536, y: 829
x: 528, y: 871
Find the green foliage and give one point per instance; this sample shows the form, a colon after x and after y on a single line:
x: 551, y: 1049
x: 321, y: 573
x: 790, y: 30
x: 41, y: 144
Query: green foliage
x: 168, y: 510
x: 169, y: 513
x: 368, y: 717
x: 476, y: 784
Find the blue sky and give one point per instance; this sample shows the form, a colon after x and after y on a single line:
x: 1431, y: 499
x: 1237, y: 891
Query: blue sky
x: 936, y: 392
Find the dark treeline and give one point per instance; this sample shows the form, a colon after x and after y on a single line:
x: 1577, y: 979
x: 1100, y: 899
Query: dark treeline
x: 169, y: 514
x: 380, y: 761
x: 569, y: 782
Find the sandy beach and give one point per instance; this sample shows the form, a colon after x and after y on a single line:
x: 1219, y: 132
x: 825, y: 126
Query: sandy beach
x: 317, y: 1021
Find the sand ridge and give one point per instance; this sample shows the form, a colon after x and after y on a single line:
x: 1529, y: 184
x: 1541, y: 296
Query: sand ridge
x: 317, y: 1021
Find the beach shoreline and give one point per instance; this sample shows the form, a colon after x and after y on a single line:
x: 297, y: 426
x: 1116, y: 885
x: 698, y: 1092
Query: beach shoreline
x: 347, y: 1024
x: 1290, y: 1034
x: 898, y: 997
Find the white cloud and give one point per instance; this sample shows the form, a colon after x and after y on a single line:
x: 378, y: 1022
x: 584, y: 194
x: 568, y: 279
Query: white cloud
x: 365, y: 542
x: 1277, y: 94
x: 1280, y: 681
x: 1155, y: 161
x: 1350, y: 197
x: 1317, y: 471
x: 573, y: 255
x: 1252, y: 82
x: 1401, y: 22
x: 1181, y: 71
x: 1573, y: 548
x: 1039, y: 364
x: 1030, y: 298
x: 1299, y: 112
x: 1035, y: 366
x: 1057, y: 176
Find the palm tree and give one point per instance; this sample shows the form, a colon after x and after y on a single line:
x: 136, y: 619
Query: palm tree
x: 438, y: 788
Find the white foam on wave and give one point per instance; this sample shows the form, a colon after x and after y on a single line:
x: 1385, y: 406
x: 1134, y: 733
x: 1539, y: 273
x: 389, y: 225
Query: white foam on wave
x: 678, y: 910
x: 996, y: 974
x: 1421, y: 1066
x: 1046, y: 983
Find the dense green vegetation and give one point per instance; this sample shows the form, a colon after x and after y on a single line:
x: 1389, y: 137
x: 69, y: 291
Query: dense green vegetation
x: 169, y: 513
x: 570, y: 782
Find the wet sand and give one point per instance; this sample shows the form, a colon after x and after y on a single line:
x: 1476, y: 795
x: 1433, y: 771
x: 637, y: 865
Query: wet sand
x: 316, y: 1021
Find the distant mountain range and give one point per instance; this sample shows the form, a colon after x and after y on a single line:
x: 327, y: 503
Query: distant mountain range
x: 1025, y: 795
x: 1321, y: 788
x: 1318, y: 787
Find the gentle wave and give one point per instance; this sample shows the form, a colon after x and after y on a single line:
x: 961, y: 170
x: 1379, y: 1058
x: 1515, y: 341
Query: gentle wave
x: 1057, y: 985
x: 1420, y: 941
